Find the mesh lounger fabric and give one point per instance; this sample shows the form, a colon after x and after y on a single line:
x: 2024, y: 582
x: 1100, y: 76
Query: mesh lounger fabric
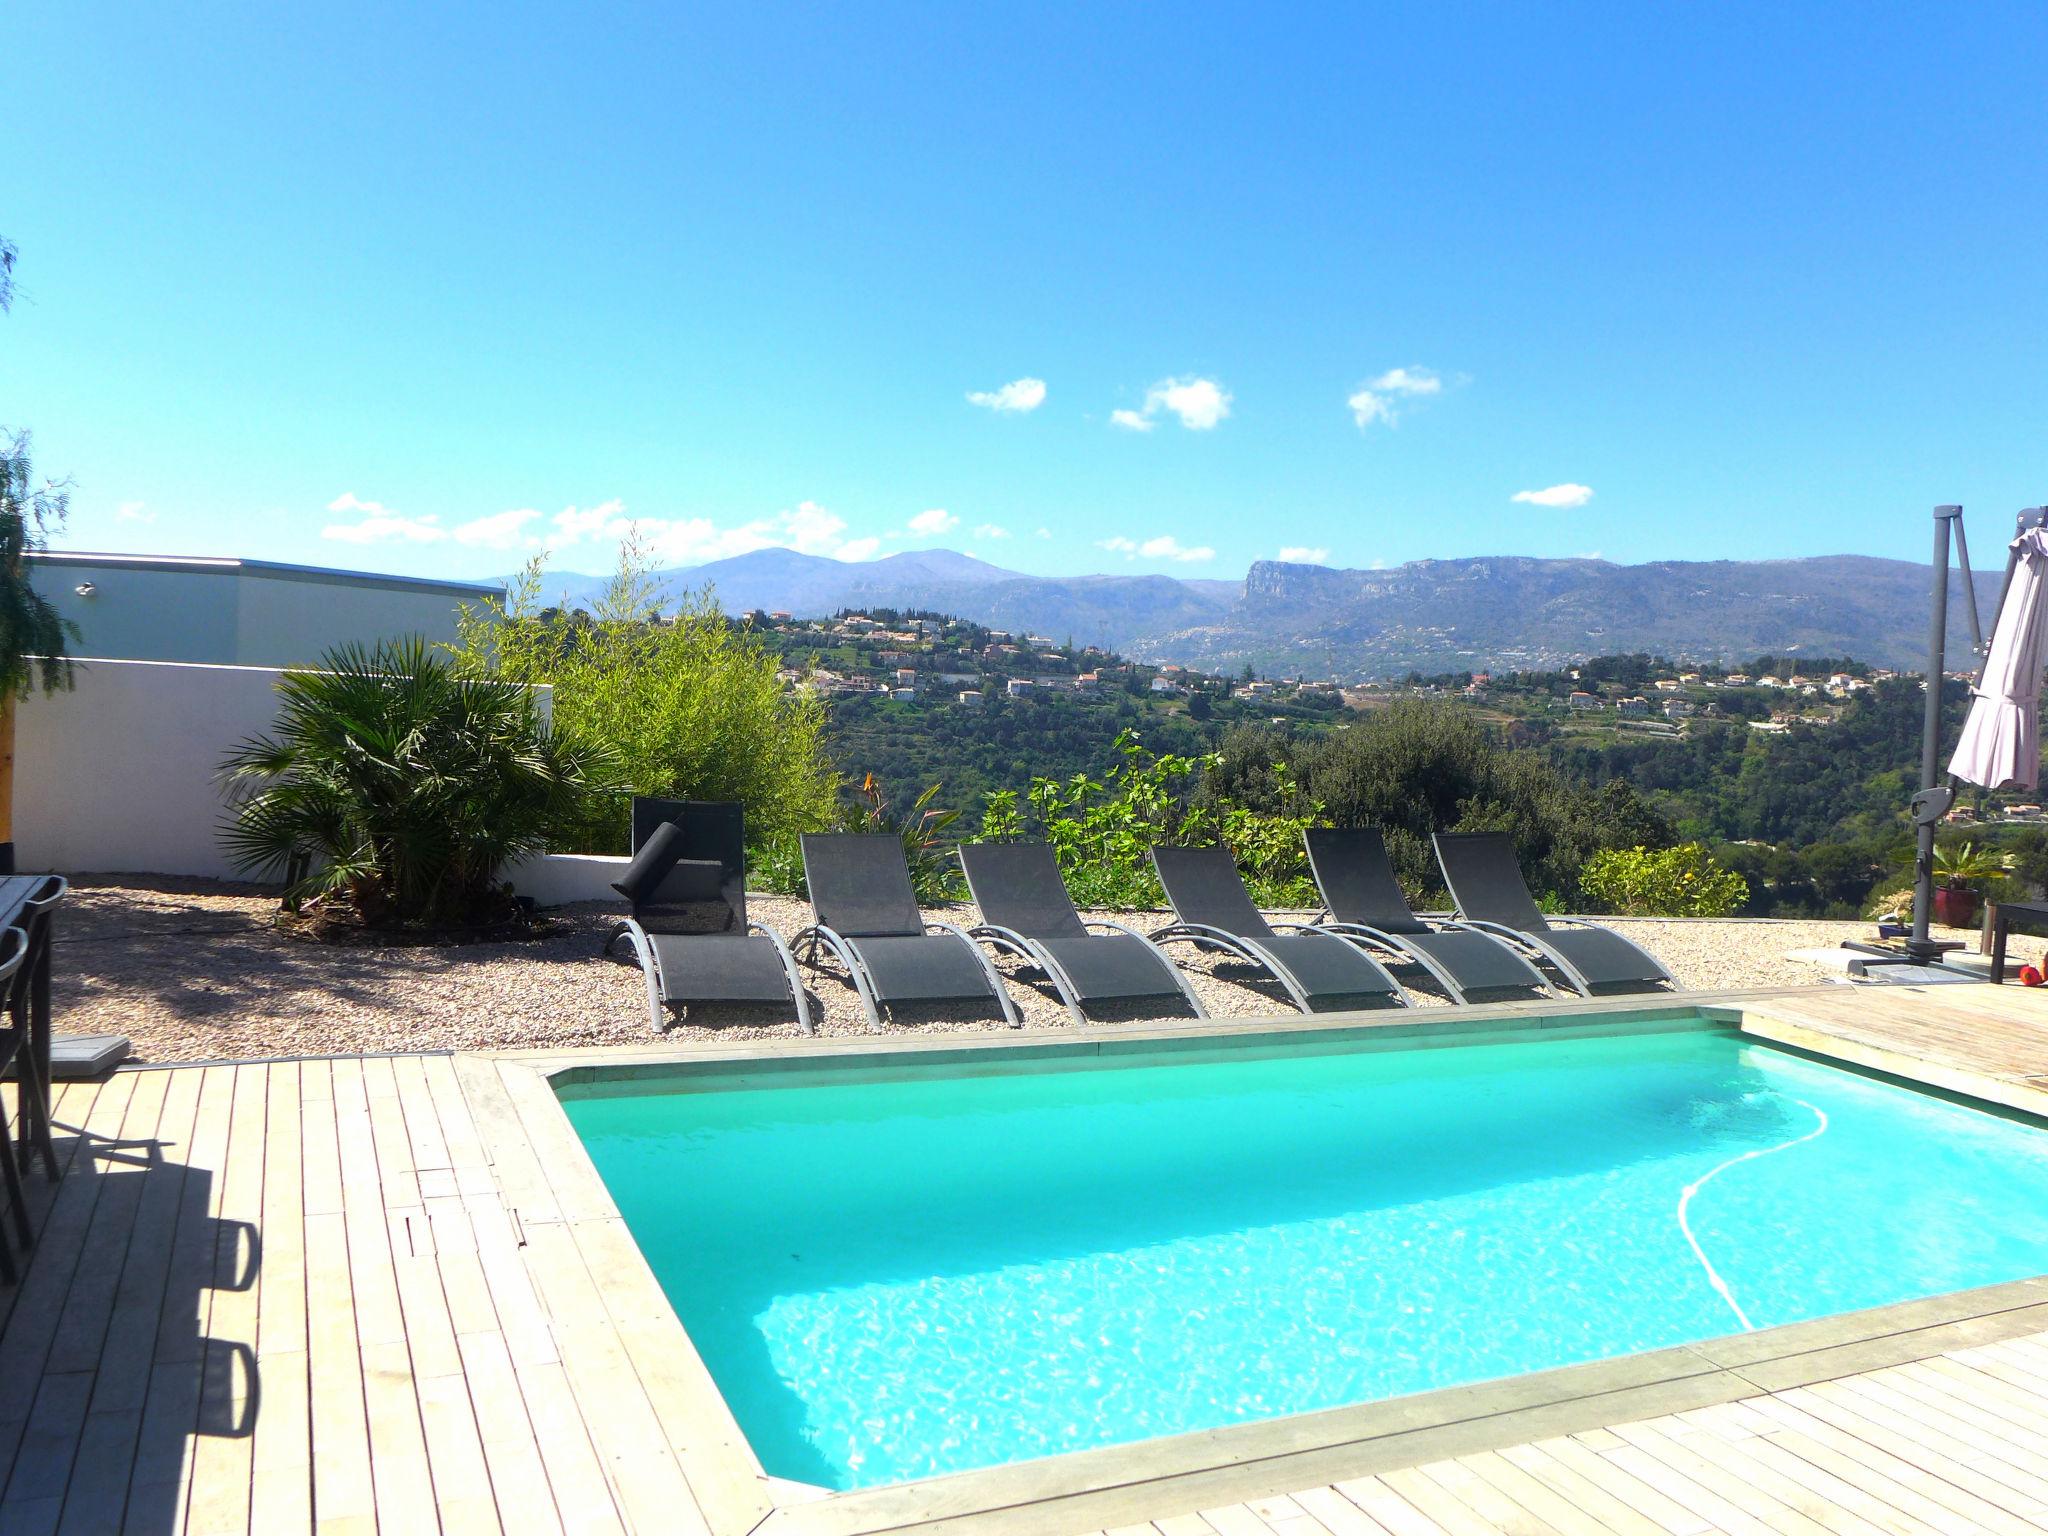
x: 1018, y: 886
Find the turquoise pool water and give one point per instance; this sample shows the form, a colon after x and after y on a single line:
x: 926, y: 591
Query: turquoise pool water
x: 892, y: 1279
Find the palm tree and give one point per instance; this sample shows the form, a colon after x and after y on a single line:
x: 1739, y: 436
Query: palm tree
x: 398, y: 789
x: 32, y: 633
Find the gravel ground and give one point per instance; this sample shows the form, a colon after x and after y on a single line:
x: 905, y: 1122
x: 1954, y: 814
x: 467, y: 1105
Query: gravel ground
x: 195, y: 971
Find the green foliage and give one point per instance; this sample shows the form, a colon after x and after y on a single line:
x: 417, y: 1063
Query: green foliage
x: 33, y: 635
x: 690, y: 707
x: 1969, y: 867
x: 1103, y: 830
x: 922, y: 829
x: 1684, y: 881
x: 1417, y: 767
x: 403, y: 787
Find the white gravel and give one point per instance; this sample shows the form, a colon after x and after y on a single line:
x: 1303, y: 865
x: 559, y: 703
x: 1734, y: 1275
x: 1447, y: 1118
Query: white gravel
x: 195, y: 971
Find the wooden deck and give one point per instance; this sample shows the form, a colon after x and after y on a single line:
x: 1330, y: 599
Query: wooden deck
x: 355, y: 1295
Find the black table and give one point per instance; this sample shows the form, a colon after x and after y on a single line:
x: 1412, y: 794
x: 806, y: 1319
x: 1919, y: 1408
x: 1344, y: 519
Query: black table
x: 2003, y: 915
x: 33, y: 1075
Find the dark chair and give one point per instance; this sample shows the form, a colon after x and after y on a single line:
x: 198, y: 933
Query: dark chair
x: 32, y: 1071
x: 1485, y: 881
x: 15, y: 981
x: 1025, y: 909
x: 689, y: 927
x: 866, y: 914
x: 1212, y: 910
x: 1362, y: 900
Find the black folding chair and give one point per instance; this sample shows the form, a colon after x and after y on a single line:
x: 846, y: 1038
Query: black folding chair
x: 689, y: 927
x: 1026, y: 910
x: 1213, y: 910
x: 1485, y: 880
x: 32, y: 1070
x: 15, y: 982
x: 1363, y: 900
x: 866, y: 914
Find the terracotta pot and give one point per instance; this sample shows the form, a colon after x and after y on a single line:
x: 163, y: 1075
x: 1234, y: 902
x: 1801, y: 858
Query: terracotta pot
x: 1954, y: 906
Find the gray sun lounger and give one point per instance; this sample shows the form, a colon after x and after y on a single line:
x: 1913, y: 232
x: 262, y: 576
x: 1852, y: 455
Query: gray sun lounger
x: 1212, y: 909
x: 1363, y: 901
x: 689, y: 927
x: 867, y: 916
x: 1485, y: 881
x: 1026, y: 910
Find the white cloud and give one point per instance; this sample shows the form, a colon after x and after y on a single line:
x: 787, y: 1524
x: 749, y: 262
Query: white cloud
x: 1199, y: 403
x: 1164, y: 547
x: 1374, y: 400
x: 1566, y: 495
x: 1045, y: 533
x: 379, y: 524
x: 133, y: 512
x: 990, y: 531
x: 807, y: 527
x: 1408, y: 381
x: 500, y: 530
x: 1303, y: 554
x: 1367, y: 408
x: 935, y: 521
x: 1018, y: 395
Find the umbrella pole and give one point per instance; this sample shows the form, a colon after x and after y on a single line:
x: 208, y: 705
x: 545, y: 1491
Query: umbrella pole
x: 1933, y: 801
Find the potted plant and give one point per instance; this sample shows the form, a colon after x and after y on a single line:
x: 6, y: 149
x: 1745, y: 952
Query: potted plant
x: 1961, y: 872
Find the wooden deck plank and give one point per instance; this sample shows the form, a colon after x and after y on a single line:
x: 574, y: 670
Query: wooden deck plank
x: 222, y: 1456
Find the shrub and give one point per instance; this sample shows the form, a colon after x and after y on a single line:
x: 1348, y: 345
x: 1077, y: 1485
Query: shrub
x: 1666, y: 882
x: 1102, y: 830
x: 1417, y: 767
x: 402, y: 787
x: 691, y: 706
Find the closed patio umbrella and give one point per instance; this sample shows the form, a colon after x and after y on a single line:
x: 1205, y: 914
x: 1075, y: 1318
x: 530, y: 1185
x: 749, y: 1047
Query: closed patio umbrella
x: 2001, y: 741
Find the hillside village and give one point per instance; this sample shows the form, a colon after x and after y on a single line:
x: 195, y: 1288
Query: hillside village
x: 936, y: 659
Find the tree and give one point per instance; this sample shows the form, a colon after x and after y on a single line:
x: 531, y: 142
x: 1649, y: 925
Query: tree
x: 32, y: 633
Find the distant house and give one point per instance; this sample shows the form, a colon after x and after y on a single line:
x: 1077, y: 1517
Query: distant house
x: 1668, y: 685
x: 782, y: 616
x: 1962, y: 815
x: 1737, y: 679
x: 1165, y: 685
x: 1017, y: 687
x: 970, y: 698
x: 1583, y: 700
x: 856, y: 623
x: 903, y: 694
x: 1635, y: 707
x: 906, y: 677
x: 1677, y: 709
x: 1258, y: 690
x: 1088, y: 680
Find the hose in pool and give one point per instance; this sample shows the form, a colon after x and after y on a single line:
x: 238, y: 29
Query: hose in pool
x: 1685, y: 1200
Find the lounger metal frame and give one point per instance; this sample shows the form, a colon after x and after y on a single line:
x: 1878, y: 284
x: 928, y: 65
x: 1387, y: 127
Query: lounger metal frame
x: 1550, y: 952
x: 848, y: 953
x: 1036, y: 952
x: 1203, y: 936
x: 1402, y: 944
x: 658, y: 1007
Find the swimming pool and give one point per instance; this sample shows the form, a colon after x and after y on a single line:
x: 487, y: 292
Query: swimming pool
x: 892, y: 1276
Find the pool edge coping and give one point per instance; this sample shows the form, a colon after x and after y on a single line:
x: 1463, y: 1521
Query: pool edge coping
x: 568, y: 1222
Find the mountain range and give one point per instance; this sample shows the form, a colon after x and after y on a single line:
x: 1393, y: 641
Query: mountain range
x: 1488, y: 613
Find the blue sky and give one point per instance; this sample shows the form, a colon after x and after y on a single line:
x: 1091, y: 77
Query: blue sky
x: 416, y: 288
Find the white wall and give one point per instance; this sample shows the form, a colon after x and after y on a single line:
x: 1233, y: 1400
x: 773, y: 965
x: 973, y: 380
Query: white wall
x: 121, y: 775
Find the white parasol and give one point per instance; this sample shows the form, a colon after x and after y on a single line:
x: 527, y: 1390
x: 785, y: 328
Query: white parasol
x: 2001, y: 741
